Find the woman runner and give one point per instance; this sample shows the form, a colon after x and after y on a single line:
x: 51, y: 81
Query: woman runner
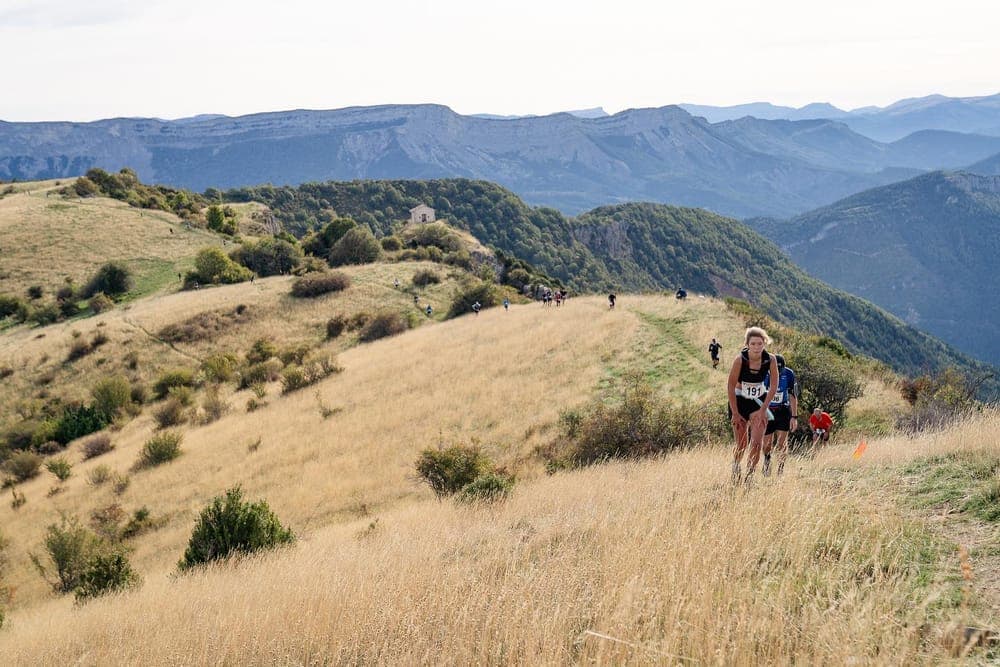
x: 749, y: 398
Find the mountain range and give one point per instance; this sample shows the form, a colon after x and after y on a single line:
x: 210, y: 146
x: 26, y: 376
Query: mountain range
x: 973, y: 115
x: 924, y: 249
x: 745, y: 167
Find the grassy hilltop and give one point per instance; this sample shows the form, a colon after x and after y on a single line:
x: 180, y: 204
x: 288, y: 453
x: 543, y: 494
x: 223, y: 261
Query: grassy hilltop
x: 637, y: 562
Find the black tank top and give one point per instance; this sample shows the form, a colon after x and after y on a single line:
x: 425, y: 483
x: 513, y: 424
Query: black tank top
x: 751, y: 382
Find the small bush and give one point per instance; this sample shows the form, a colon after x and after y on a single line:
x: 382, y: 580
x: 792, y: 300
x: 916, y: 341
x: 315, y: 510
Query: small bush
x: 357, y: 246
x: 489, y: 487
x: 104, y: 574
x: 358, y: 320
x: 425, y: 277
x: 35, y: 292
x: 230, y: 526
x: 99, y: 475
x: 119, y: 483
x: 77, y: 421
x: 297, y: 377
x: 100, y: 302
x: 261, y: 350
x: 159, y: 449
x: 178, y: 377
x: 107, y: 521
x: 139, y: 523
x: 10, y: 305
x: 78, y: 349
x: 23, y: 466
x: 295, y: 354
x: 219, y: 367
x: 448, y: 470
x: 214, y: 405
x: 112, y: 397
x: 212, y: 266
x: 171, y: 413
x: 385, y: 323
x: 70, y: 547
x: 60, y: 467
x: 113, y: 279
x: 335, y: 326
x: 391, y: 243
x: 97, y: 445
x: 260, y: 373
x: 483, y: 292
x: 316, y: 284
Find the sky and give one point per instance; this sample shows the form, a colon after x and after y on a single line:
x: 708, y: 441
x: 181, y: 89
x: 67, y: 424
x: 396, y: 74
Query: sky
x: 79, y: 61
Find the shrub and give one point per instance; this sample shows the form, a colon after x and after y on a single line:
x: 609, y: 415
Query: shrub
x: 435, y: 234
x: 385, y: 323
x: 10, y: 305
x: 827, y: 379
x: 260, y: 373
x: 219, y: 367
x: 938, y: 400
x: 206, y: 325
x: 261, y: 350
x: 171, y: 413
x: 112, y: 396
x: 77, y: 421
x: 60, y: 467
x: 483, y: 292
x: 44, y: 314
x: 269, y: 256
x: 35, y: 292
x: 296, y: 377
x: 97, y: 445
x: 119, y: 483
x: 315, y: 284
x: 214, y: 405
x: 357, y: 246
x: 159, y: 449
x: 106, y: 573
x: 230, y: 526
x: 105, y: 520
x: 425, y: 277
x: 295, y: 354
x: 99, y: 475
x: 335, y: 326
x: 178, y: 377
x: 23, y: 465
x: 78, y: 349
x: 212, y: 266
x: 450, y: 469
x: 84, y: 187
x: 637, y: 426
x: 21, y: 435
x: 391, y: 243
x: 100, y: 302
x: 70, y: 547
x: 358, y: 320
x: 489, y: 487
x: 113, y: 279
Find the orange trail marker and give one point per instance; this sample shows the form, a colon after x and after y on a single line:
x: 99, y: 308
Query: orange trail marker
x: 862, y: 446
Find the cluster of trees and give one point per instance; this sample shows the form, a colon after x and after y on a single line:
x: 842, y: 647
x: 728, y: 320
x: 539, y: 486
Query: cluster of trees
x: 125, y: 186
x: 112, y: 281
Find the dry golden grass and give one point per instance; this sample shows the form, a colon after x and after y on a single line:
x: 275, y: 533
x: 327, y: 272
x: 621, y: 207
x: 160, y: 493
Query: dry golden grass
x: 656, y: 562
x: 46, y: 238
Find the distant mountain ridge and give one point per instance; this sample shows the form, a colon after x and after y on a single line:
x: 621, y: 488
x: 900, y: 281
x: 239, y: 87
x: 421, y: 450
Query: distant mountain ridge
x: 969, y: 115
x: 742, y: 168
x: 925, y: 249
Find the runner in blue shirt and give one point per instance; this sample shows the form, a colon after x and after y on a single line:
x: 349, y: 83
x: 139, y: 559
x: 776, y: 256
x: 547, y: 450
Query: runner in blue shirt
x: 785, y: 406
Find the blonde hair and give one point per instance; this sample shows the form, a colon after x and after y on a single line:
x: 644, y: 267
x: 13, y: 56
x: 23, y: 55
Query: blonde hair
x: 756, y: 332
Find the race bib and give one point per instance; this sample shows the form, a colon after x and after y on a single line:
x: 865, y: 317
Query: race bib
x: 753, y: 390
x: 779, y: 398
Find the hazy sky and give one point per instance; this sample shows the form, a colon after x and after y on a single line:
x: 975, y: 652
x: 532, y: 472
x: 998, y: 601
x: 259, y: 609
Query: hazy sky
x: 78, y: 60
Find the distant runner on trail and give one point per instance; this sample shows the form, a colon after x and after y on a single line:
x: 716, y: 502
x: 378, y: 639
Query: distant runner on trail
x: 429, y: 311
x: 506, y: 303
x: 476, y: 307
x: 611, y: 301
x: 785, y: 407
x: 749, y: 398
x: 820, y: 423
x: 713, y: 349
x: 681, y: 294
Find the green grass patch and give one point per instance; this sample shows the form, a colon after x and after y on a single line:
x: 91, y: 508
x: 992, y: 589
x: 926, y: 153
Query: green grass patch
x: 153, y: 275
x: 961, y: 481
x: 661, y: 355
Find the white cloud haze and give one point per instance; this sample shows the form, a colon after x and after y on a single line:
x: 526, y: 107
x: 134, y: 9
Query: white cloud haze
x: 83, y: 61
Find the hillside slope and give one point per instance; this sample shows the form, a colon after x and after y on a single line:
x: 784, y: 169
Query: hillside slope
x: 924, y: 249
x: 627, y: 247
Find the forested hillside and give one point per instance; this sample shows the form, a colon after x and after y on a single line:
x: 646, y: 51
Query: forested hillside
x: 625, y: 247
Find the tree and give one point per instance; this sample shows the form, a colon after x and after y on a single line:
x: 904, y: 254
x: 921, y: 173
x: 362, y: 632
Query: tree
x: 113, y: 278
x: 357, y: 246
